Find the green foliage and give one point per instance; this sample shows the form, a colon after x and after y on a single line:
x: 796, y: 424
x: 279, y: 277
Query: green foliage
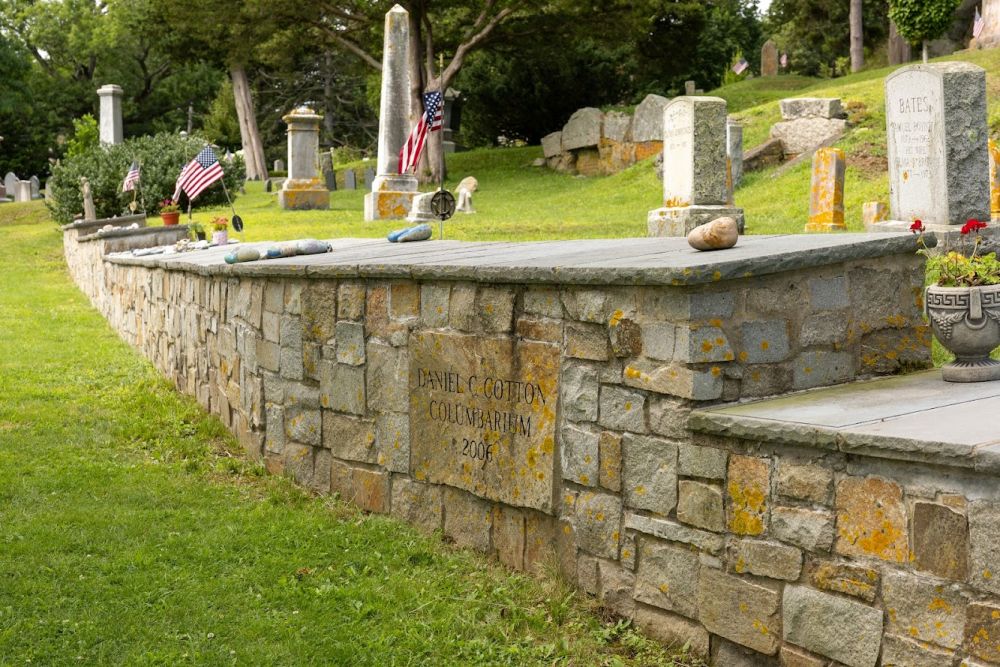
x: 922, y: 20
x: 161, y: 158
x: 954, y: 269
x: 86, y: 136
x: 222, y: 127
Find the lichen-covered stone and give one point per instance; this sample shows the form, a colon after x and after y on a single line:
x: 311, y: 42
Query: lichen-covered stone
x: 467, y: 519
x: 940, y: 540
x: 791, y: 656
x: 434, y: 301
x: 350, y: 300
x: 698, y: 461
x: 387, y: 374
x: 672, y: 630
x: 984, y: 546
x: 901, y: 652
x: 812, y: 530
x: 667, y: 577
x: 836, y: 627
x: 303, y: 425
x: 701, y: 505
x: 610, y: 450
x: 586, y: 341
x: 982, y: 631
x: 871, y: 519
x: 804, y: 482
x: 544, y: 329
x: 855, y: 580
x: 766, y: 559
x: 622, y: 410
x: 740, y: 611
x: 764, y: 342
x: 649, y: 473
x: 580, y: 455
x: 544, y: 301
x: 579, y: 388
x: 626, y: 337
x: 923, y: 609
x: 702, y: 344
x: 747, y: 488
x: 349, y: 437
x: 508, y: 536
x: 404, y: 300
x: 616, y: 587
x: 350, y: 343
x: 820, y: 367
x: 417, y: 504
x: 342, y: 387
x: 598, y: 523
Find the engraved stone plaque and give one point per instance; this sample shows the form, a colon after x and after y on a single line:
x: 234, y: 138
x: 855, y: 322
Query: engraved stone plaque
x: 483, y: 415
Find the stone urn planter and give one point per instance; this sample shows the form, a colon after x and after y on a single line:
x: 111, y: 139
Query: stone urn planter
x: 966, y: 321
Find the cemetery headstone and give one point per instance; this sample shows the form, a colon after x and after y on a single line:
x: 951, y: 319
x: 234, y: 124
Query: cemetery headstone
x: 369, y: 177
x: 689, y: 87
x: 267, y: 185
x: 23, y: 191
x: 302, y: 189
x: 391, y: 193
x: 10, y: 183
x: 279, y: 165
x: 826, y: 197
x: 994, y: 151
x: 937, y: 140
x: 350, y: 180
x: 769, y: 59
x: 89, y: 212
x: 3, y: 194
x: 111, y: 131
x: 734, y: 150
x: 36, y: 187
x: 326, y: 167
x: 451, y: 120
x: 874, y: 212
x: 696, y: 186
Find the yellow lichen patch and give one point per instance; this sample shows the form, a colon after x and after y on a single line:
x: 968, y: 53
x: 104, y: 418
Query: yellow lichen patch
x: 584, y: 479
x: 616, y: 318
x: 706, y: 346
x: 743, y: 356
x: 716, y: 371
x: 717, y: 275
x: 871, y: 519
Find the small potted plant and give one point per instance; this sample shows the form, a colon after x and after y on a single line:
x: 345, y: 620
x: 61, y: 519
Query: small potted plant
x: 197, y: 231
x: 963, y: 306
x: 170, y: 211
x: 220, y: 233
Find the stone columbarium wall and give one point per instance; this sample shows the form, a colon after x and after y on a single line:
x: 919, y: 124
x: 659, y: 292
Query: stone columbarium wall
x: 537, y: 399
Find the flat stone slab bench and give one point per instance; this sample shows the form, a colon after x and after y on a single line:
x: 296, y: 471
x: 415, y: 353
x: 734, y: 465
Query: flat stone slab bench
x: 916, y: 417
x: 637, y: 261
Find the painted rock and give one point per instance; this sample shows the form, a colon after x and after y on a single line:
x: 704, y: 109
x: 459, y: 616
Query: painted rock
x: 312, y: 247
x: 283, y: 250
x: 243, y: 255
x: 418, y: 233
x: 716, y: 235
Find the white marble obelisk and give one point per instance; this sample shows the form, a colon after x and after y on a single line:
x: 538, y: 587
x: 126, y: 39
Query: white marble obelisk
x: 392, y: 193
x: 111, y: 114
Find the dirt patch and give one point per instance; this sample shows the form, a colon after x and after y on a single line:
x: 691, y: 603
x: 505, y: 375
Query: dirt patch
x: 870, y: 159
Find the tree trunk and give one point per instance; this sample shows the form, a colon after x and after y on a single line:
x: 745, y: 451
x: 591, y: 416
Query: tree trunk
x: 328, y: 98
x: 899, y: 48
x: 253, y: 148
x: 925, y: 51
x: 857, y: 37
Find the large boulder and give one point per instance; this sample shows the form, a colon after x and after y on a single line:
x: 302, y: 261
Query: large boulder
x: 583, y: 130
x: 617, y: 126
x: 647, y: 125
x: 552, y: 144
x: 804, y: 134
x: 793, y: 108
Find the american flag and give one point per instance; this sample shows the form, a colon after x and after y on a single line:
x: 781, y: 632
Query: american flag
x: 431, y: 120
x: 784, y: 60
x: 741, y: 66
x: 978, y: 24
x: 200, y: 173
x: 131, y: 178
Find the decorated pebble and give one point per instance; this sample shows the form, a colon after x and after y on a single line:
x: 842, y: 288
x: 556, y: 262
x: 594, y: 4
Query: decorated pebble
x: 312, y: 247
x: 716, y: 235
x: 418, y: 233
x: 283, y: 250
x: 243, y: 255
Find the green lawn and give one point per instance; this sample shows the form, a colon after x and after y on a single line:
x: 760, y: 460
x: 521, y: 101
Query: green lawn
x: 133, y: 532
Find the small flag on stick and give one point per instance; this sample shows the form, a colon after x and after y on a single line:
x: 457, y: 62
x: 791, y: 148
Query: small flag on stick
x: 430, y: 120
x: 200, y: 173
x: 978, y: 24
x: 131, y: 178
x: 741, y: 66
x: 784, y: 60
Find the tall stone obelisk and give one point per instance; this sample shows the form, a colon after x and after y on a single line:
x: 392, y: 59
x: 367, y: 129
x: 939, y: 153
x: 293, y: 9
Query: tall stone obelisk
x: 392, y: 193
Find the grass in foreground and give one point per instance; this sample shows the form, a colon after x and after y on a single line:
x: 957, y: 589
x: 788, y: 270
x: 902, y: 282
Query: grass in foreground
x: 132, y: 532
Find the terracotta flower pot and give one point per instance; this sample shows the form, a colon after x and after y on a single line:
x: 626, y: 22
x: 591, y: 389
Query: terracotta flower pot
x: 170, y: 217
x: 966, y: 321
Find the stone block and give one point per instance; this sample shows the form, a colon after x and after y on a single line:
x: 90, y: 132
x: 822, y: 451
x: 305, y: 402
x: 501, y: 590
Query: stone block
x: 923, y: 609
x: 628, y: 551
x: 508, y: 536
x: 417, y: 504
x: 854, y: 580
x: 271, y: 326
x: 434, y: 301
x: 350, y: 343
x: 622, y: 410
x: 616, y: 585
x: 387, y: 374
x: 291, y: 348
x: 392, y: 441
x: 303, y: 425
x: 369, y: 490
x: 820, y: 368
x: 984, y: 546
x: 747, y: 489
x: 552, y: 144
x: 350, y: 437
x: 298, y: 462
x: 269, y: 356
x: 586, y: 305
x: 649, y: 473
x: 667, y: 577
x: 809, y: 529
x: 597, y: 520
x: 583, y: 130
x: 701, y: 505
x: 617, y: 126
x: 697, y: 461
x: 659, y: 340
x: 828, y: 293
x: 579, y: 386
x: 322, y: 461
x: 824, y: 329
x: 647, y: 122
x: 982, y: 631
x: 543, y: 329
x: 342, y: 387
x: 580, y: 455
x: 821, y: 622
x: 626, y: 337
x: 404, y: 300
x: 803, y: 135
x: 586, y: 341
x: 495, y: 306
x: 740, y: 611
x: 804, y: 482
x: 900, y: 652
x: 793, y: 108
x: 702, y: 344
x: 671, y: 630
x: 467, y: 519
x: 676, y: 380
x: 586, y: 574
x: 319, y: 310
x: 544, y: 301
x: 940, y: 540
x: 610, y: 450
x: 274, y: 434
x: 274, y: 297
x: 764, y: 342
x: 791, y: 656
x: 350, y: 300
x: 872, y: 213
x: 871, y: 519
x: 766, y: 559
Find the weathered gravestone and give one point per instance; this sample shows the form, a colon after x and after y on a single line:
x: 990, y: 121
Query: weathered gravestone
x: 36, y: 187
x: 303, y: 190
x: 279, y: 165
x: 10, y: 183
x: 689, y: 87
x: 696, y: 186
x: 3, y: 194
x: 350, y: 180
x: 734, y: 151
x: 938, y: 155
x: 370, y: 177
x: 826, y: 195
x: 872, y: 213
x: 111, y: 130
x: 994, y: 181
x: 23, y: 191
x: 89, y: 212
x: 326, y: 167
x: 769, y: 59
x: 391, y: 193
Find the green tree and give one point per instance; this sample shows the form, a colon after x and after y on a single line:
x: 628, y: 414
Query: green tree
x: 923, y: 20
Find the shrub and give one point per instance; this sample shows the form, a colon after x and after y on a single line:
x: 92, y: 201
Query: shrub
x: 161, y: 157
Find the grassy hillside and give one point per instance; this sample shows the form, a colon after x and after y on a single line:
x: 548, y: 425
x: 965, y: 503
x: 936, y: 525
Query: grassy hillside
x: 520, y: 202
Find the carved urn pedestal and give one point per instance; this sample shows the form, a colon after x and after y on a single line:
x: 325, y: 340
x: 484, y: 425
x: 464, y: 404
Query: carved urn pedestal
x: 966, y: 321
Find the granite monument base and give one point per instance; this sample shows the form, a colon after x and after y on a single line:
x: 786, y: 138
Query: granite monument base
x: 304, y: 195
x: 680, y: 220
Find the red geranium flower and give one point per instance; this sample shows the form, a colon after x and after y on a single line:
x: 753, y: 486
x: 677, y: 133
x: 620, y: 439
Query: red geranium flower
x: 972, y: 225
x: 917, y: 226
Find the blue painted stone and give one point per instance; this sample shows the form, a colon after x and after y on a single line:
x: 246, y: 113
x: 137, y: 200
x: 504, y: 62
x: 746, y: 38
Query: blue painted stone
x: 243, y: 255
x: 312, y: 247
x: 418, y: 233
x: 283, y: 250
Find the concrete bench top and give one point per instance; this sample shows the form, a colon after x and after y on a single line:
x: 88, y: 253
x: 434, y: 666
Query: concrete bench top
x: 916, y: 417
x: 637, y: 261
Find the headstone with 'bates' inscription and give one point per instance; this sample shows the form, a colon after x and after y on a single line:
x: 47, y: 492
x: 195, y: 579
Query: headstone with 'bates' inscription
x: 937, y: 139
